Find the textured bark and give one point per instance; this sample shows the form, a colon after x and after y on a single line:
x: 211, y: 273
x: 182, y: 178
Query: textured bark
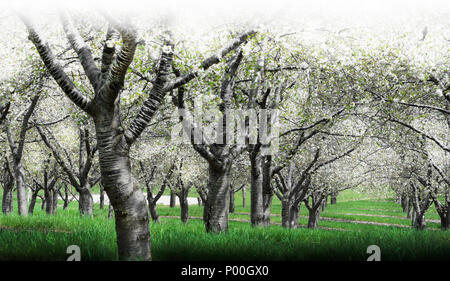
x: 184, y: 209
x: 445, y: 221
x: 152, y: 208
x: 48, y: 194
x: 55, y: 201
x: 285, y: 209
x: 130, y: 207
x: 173, y: 198
x: 8, y: 185
x: 324, y: 204
x: 32, y: 203
x: 256, y: 190
x: 333, y: 199
x: 313, y: 218
x: 294, y: 216
x: 86, y: 202
x: 418, y: 220
x: 232, y: 204
x: 267, y: 191
x: 7, y: 200
x: 102, y: 197
x: 110, y: 211
x: 66, y: 197
x: 216, y: 210
x: 244, y: 197
x: 409, y: 209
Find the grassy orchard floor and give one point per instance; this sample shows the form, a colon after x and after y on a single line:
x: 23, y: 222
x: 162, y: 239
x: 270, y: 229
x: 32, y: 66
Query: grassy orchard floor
x: 43, y: 237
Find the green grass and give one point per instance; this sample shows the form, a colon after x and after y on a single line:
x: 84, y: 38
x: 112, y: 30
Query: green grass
x: 46, y: 237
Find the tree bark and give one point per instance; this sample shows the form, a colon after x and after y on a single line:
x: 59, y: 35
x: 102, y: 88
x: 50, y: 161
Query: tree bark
x: 86, y: 202
x: 244, y: 199
x: 48, y: 194
x: 32, y: 203
x: 256, y: 191
x: 285, y: 209
x: 294, y: 216
x: 313, y: 218
x: 110, y: 211
x: 8, y: 185
x: 102, y: 197
x: 184, y: 209
x: 173, y: 198
x: 215, y: 214
x: 152, y: 208
x: 418, y: 220
x: 66, y: 197
x: 124, y: 193
x: 55, y: 201
x: 333, y: 199
x: 232, y: 205
x: 267, y: 192
x: 324, y: 204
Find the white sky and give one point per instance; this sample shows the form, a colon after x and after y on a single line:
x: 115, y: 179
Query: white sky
x: 350, y: 12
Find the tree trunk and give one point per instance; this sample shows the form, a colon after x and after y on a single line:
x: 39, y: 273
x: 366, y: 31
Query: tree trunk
x: 333, y: 199
x: 173, y: 197
x: 153, y: 211
x: 443, y: 212
x: 294, y: 215
x: 324, y: 204
x: 20, y: 188
x: 231, y: 201
x: 184, y: 209
x: 86, y: 202
x: 256, y: 191
x: 215, y: 213
x: 110, y: 211
x: 102, y: 197
x: 32, y: 203
x: 285, y: 209
x: 418, y: 220
x: 124, y: 193
x: 7, y: 200
x: 313, y: 218
x: 55, y: 201
x: 152, y: 206
x: 444, y: 221
x: 409, y: 209
x: 48, y: 194
x: 66, y: 197
x: 267, y: 204
x: 244, y: 197
x: 43, y: 203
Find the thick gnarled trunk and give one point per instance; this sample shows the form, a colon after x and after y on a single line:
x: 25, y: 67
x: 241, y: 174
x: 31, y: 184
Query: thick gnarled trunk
x: 215, y: 214
x: 125, y: 195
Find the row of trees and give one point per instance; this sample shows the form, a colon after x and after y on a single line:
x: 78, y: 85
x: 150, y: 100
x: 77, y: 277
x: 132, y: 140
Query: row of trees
x: 351, y: 115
